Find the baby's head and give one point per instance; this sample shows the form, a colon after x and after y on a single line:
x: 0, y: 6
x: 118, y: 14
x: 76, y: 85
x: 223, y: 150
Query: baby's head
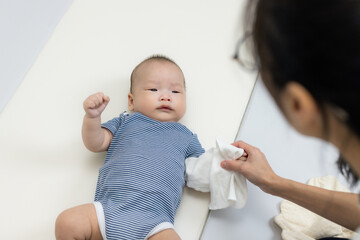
x: 158, y: 89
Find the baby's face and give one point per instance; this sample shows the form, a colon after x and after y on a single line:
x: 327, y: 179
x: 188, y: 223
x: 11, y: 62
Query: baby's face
x: 159, y: 92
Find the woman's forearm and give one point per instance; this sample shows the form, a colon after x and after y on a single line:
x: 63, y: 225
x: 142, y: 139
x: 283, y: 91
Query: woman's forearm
x: 339, y: 207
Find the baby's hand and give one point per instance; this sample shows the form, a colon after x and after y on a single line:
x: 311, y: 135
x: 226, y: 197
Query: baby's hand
x: 95, y: 104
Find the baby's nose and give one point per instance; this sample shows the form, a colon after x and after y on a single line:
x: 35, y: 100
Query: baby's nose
x: 165, y: 98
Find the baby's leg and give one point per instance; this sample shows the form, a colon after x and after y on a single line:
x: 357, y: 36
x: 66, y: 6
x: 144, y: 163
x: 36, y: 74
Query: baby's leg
x: 167, y: 234
x: 78, y: 223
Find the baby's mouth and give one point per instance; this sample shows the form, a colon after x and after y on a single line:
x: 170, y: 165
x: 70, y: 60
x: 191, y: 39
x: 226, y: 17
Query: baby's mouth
x: 165, y: 108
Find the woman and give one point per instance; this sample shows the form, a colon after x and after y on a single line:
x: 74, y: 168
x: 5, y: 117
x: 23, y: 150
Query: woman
x: 308, y: 55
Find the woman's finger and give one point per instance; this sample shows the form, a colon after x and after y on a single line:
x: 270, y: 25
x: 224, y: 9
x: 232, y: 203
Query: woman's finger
x: 242, y: 158
x: 247, y: 147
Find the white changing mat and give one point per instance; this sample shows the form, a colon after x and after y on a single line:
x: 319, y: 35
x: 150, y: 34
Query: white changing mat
x: 44, y: 166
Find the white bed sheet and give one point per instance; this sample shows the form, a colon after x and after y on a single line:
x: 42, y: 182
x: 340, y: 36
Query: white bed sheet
x: 44, y: 166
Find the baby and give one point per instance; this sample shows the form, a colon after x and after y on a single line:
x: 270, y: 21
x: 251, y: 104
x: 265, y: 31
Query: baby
x: 140, y: 184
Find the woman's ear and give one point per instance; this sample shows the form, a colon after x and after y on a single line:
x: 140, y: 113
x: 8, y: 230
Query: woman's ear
x: 130, y: 102
x: 301, y: 109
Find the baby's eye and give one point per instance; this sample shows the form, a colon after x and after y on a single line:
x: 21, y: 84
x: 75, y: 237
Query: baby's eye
x: 152, y: 89
x: 175, y: 91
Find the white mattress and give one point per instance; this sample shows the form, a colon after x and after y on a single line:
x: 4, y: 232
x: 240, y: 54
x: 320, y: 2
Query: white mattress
x: 44, y: 166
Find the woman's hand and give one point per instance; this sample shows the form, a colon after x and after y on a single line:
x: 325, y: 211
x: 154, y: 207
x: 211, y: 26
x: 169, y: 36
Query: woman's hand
x: 339, y: 207
x: 253, y: 165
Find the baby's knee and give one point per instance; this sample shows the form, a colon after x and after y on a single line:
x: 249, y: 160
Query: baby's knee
x: 64, y: 225
x: 77, y: 223
x: 167, y: 234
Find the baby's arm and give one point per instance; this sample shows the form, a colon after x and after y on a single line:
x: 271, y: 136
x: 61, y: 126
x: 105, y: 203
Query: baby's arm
x: 95, y: 138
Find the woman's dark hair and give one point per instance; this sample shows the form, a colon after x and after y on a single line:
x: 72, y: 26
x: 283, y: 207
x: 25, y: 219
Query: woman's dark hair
x: 317, y: 44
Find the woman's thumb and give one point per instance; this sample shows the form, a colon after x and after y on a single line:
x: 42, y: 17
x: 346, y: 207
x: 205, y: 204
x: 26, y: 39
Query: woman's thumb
x: 228, y: 165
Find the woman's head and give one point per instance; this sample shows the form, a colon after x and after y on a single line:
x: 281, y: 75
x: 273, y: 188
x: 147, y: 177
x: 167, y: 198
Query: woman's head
x: 313, y: 45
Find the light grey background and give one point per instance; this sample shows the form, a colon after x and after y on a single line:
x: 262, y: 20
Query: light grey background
x: 25, y: 27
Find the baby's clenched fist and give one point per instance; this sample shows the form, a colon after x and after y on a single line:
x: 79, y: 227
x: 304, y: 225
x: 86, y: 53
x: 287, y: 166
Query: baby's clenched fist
x: 95, y: 104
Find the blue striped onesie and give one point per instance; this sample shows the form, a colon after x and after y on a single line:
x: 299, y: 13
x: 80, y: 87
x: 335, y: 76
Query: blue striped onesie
x: 141, y: 181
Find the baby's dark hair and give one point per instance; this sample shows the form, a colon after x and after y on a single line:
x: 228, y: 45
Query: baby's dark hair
x: 155, y: 57
x: 315, y: 43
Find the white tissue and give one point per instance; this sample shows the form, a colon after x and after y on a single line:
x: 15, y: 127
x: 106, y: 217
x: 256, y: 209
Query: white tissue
x: 227, y: 188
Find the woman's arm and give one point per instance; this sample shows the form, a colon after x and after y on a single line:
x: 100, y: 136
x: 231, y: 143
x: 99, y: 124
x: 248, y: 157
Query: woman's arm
x: 95, y: 138
x: 339, y: 207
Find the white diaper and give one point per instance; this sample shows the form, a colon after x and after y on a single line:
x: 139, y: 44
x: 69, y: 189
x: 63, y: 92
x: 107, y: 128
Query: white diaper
x: 101, y: 220
x: 159, y: 228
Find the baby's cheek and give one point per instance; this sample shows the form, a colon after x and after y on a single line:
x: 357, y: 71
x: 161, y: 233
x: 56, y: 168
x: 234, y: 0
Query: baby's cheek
x: 182, y: 110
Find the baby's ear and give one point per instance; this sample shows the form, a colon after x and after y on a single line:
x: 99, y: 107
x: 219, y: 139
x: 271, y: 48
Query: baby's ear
x: 130, y: 102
